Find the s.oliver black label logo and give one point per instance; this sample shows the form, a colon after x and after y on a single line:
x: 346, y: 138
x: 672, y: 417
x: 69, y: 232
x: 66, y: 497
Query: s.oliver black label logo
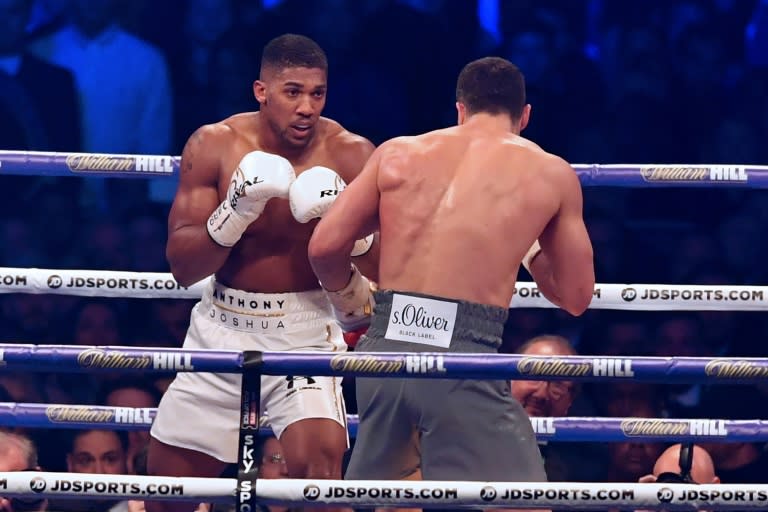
x: 411, y: 315
x: 421, y: 320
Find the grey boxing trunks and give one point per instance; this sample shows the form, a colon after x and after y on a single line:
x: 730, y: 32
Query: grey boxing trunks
x: 451, y: 429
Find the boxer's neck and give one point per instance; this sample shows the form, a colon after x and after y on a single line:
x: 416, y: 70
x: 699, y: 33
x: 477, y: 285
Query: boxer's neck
x: 492, y: 123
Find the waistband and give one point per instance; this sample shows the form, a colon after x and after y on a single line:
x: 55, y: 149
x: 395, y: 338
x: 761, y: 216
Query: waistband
x: 437, y: 321
x: 264, y: 312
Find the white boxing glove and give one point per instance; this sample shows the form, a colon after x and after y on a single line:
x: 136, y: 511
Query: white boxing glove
x: 258, y: 178
x: 313, y: 193
x: 362, y: 246
x: 532, y: 253
x: 353, y: 304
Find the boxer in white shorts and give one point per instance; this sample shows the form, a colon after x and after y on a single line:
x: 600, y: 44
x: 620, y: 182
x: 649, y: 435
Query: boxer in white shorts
x: 250, y: 190
x: 227, y: 319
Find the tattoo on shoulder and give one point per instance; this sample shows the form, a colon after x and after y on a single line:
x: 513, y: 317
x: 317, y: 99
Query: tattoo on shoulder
x: 190, y: 150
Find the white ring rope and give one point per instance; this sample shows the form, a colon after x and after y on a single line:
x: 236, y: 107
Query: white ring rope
x: 160, y: 285
x: 370, y: 493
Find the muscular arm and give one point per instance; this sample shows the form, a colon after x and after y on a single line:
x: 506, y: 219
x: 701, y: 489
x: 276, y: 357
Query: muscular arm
x: 191, y: 252
x: 564, y: 269
x: 355, y: 214
x: 355, y: 160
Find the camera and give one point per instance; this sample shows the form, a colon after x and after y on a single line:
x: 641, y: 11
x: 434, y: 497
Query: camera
x: 673, y: 478
x: 685, y: 463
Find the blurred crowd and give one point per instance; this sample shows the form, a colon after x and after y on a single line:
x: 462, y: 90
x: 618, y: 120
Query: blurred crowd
x: 658, y: 81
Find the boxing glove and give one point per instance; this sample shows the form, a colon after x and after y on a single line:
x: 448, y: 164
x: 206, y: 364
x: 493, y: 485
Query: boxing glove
x: 353, y: 305
x: 362, y: 246
x: 258, y: 178
x: 532, y: 253
x: 352, y: 337
x: 313, y: 193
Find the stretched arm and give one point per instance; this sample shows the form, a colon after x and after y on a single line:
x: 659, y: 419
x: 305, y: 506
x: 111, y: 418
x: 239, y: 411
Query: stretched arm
x: 191, y: 252
x: 563, y: 269
x: 354, y: 215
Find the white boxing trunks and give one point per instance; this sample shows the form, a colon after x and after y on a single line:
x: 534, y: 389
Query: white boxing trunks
x: 200, y: 411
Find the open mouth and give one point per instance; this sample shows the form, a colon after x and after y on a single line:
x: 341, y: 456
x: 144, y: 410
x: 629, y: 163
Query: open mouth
x: 301, y: 129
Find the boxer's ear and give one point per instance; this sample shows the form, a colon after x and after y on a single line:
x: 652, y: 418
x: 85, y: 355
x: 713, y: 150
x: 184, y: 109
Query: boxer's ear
x: 525, y: 117
x: 461, y: 111
x: 260, y: 91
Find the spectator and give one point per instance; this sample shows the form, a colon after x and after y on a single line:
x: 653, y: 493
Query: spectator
x: 702, y: 470
x: 100, y: 452
x: 116, y: 73
x: 545, y: 398
x: 137, y: 393
x: 736, y: 463
x: 36, y: 119
x: 628, y: 461
x: 18, y: 453
x: 124, y: 89
x: 563, y: 462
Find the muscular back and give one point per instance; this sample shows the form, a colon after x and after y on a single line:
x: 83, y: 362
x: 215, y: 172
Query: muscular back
x: 459, y: 209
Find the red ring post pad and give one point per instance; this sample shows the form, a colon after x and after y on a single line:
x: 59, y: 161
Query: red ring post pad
x: 69, y: 359
x: 108, y: 165
x: 102, y: 165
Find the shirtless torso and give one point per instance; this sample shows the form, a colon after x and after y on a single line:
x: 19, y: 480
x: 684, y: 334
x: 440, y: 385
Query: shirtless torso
x: 272, y: 254
x: 458, y: 210
x: 251, y: 189
x: 483, y: 197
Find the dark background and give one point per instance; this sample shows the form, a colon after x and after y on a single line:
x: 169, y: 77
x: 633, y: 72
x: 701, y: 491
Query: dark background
x: 610, y: 81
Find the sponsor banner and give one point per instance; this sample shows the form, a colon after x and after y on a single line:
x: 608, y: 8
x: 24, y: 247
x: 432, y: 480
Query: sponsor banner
x: 125, y: 164
x: 647, y: 297
x: 672, y: 175
x: 412, y: 364
x: 96, y: 283
x: 443, y: 494
x: 35, y: 484
x: 514, y: 366
x: 573, y: 429
x: 45, y: 163
x: 386, y: 364
x: 565, y: 368
x: 593, y: 496
x: 144, y: 359
x: 421, y: 320
x: 657, y: 297
x: 108, y: 165
x: 677, y: 174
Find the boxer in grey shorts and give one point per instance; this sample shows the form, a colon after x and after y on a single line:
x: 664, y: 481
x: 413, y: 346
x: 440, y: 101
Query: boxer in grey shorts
x: 459, y: 210
x: 449, y: 428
